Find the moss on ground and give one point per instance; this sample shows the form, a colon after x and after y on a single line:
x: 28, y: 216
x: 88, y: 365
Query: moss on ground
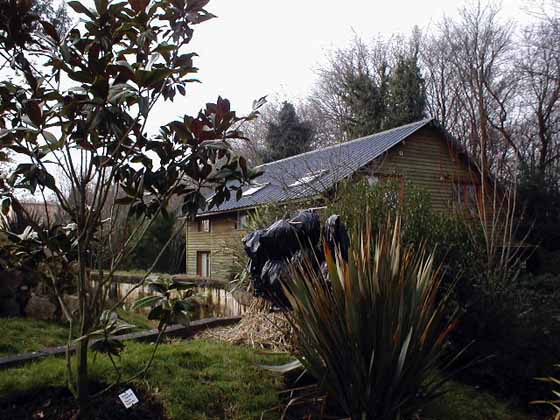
x: 194, y: 379
x: 464, y: 402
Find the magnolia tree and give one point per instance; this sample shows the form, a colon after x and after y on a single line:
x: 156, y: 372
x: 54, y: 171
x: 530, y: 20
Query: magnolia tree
x: 77, y: 105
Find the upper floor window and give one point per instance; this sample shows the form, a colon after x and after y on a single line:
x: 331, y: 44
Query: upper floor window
x: 204, y: 225
x: 466, y: 196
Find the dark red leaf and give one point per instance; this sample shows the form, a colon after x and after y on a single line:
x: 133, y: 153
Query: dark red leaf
x: 196, y: 5
x: 50, y: 30
x: 34, y: 112
x: 139, y: 5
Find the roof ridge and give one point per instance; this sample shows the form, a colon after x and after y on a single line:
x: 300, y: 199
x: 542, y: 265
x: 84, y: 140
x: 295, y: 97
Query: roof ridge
x: 332, y: 146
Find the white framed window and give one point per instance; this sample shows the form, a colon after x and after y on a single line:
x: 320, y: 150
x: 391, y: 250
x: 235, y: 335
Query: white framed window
x: 307, y: 178
x: 203, y: 264
x: 204, y: 225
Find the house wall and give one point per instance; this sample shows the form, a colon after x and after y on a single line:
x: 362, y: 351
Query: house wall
x: 427, y: 161
x: 218, y: 241
x: 423, y: 159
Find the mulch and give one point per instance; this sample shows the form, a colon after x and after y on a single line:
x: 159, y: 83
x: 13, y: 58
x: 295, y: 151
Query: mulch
x: 57, y: 403
x: 259, y: 328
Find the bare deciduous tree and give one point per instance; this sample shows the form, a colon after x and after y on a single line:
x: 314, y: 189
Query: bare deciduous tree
x: 539, y: 88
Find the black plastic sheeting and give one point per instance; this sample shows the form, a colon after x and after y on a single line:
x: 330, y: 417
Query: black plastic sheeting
x: 271, y: 250
x: 336, y: 236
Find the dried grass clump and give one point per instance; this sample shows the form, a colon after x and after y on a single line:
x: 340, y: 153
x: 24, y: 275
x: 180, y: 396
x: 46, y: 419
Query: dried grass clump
x: 259, y: 328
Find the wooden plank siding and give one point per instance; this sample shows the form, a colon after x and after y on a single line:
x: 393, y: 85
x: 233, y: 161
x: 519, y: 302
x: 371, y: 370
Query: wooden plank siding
x: 424, y: 159
x: 222, y: 232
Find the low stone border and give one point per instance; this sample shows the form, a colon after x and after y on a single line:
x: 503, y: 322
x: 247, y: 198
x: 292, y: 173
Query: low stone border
x: 133, y: 278
x: 178, y: 331
x: 243, y: 297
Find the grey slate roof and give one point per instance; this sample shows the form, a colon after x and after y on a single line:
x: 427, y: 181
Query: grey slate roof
x: 333, y: 163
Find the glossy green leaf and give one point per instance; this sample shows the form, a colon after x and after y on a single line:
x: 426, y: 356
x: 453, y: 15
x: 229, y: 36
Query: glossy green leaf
x: 289, y: 367
x: 146, y: 301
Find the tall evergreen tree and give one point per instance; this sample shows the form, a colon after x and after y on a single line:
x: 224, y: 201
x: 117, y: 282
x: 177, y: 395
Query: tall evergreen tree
x: 288, y: 136
x: 365, y: 89
x: 406, y: 98
x: 366, y: 106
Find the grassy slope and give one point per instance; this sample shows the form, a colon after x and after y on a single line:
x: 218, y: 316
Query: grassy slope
x: 19, y: 335
x: 195, y: 379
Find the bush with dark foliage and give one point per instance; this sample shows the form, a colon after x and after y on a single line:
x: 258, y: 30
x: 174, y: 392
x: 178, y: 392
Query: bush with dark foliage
x: 509, y: 322
x: 513, y: 335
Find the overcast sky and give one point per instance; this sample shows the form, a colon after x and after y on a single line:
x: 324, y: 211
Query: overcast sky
x: 272, y: 47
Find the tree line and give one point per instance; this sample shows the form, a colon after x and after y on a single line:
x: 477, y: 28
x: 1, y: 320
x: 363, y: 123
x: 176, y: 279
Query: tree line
x: 492, y: 83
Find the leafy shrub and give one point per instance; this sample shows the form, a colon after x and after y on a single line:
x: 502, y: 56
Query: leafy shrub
x: 514, y: 334
x: 356, y: 199
x: 45, y: 267
x: 151, y: 243
x: 541, y: 220
x: 548, y: 261
x: 372, y: 331
x: 508, y: 320
x: 449, y: 236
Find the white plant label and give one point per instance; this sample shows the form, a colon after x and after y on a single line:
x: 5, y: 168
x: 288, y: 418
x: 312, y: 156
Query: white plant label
x: 128, y: 398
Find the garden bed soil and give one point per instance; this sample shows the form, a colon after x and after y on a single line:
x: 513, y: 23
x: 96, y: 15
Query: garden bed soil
x: 57, y: 403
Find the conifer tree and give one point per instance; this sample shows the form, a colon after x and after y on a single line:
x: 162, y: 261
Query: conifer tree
x: 365, y: 100
x: 406, y: 99
x: 288, y: 136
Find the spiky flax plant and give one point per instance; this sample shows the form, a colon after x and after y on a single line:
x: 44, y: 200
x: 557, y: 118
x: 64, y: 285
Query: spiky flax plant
x: 372, y: 330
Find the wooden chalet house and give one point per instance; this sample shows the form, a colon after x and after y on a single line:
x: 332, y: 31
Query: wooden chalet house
x: 420, y: 153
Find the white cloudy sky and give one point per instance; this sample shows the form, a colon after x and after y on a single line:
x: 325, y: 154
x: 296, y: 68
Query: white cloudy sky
x: 262, y: 47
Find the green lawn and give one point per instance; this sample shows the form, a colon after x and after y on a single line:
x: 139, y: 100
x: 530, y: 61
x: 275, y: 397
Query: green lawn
x: 201, y: 379
x: 194, y: 379
x: 20, y: 335
x: 137, y: 319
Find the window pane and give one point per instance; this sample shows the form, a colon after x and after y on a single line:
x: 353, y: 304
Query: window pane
x: 204, y: 225
x: 311, y: 176
x: 203, y: 263
x: 241, y: 221
x: 466, y: 195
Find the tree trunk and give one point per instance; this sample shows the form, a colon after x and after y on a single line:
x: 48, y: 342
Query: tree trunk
x: 83, y: 380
